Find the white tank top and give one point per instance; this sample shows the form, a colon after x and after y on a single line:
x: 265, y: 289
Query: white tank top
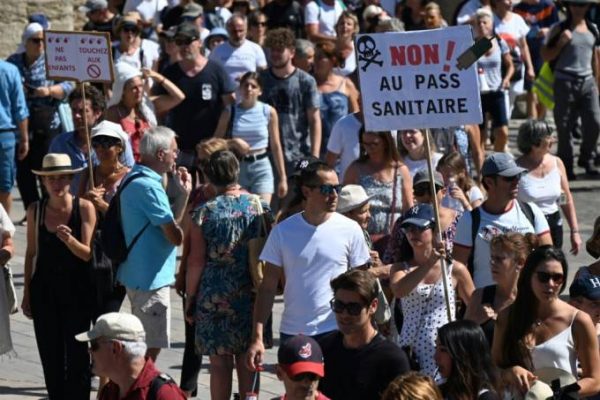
x: 557, y: 352
x: 544, y: 192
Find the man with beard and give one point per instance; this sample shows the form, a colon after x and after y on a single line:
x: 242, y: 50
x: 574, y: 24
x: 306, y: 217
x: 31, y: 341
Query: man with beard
x: 359, y: 361
x: 207, y: 90
x: 309, y: 249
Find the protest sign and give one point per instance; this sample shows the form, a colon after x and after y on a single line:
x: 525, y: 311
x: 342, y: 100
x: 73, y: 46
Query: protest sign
x: 410, y: 79
x: 78, y: 56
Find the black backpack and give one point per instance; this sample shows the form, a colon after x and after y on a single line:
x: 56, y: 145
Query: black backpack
x: 476, y: 220
x: 111, y: 234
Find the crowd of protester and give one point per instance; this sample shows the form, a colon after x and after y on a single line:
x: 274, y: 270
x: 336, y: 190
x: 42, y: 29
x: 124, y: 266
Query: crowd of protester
x: 234, y: 129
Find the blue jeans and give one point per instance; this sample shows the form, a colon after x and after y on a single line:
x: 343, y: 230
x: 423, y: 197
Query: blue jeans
x: 8, y: 167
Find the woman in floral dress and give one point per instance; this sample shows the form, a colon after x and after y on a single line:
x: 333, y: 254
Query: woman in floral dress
x: 218, y: 282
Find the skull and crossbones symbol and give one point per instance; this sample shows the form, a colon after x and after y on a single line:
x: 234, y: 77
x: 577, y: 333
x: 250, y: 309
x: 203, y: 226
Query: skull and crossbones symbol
x: 367, y: 52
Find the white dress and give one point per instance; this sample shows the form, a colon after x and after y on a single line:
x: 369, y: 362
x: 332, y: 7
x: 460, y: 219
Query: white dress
x: 424, y: 312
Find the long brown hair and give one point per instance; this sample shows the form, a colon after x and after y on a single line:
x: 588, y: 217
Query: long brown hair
x: 391, y: 155
x: 457, y: 164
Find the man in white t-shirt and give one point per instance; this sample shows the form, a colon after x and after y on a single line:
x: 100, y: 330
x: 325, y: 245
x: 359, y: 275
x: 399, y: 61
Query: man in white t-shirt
x: 500, y: 213
x: 239, y: 55
x: 309, y: 249
x: 320, y: 17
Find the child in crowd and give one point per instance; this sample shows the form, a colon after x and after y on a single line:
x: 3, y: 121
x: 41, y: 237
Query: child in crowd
x: 460, y: 187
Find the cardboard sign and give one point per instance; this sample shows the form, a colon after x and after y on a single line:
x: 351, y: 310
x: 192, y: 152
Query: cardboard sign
x: 411, y: 80
x: 78, y: 56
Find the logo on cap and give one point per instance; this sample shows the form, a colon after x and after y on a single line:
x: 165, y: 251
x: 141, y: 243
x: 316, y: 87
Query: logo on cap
x: 305, y: 351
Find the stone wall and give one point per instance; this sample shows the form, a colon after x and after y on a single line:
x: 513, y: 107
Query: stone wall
x: 13, y: 18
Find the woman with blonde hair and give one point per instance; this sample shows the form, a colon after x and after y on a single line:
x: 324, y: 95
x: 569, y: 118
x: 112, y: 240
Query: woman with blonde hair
x: 346, y: 28
x: 412, y: 386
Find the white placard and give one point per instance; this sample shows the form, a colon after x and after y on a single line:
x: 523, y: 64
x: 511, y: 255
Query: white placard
x: 410, y: 79
x: 78, y: 56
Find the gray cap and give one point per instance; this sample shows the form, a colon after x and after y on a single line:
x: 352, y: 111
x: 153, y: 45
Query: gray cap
x: 192, y: 10
x: 93, y: 5
x: 422, y: 176
x: 502, y: 164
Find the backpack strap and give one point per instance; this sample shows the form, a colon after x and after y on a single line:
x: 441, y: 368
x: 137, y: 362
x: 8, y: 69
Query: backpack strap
x: 158, y: 382
x: 119, y: 191
x: 528, y: 211
x: 475, y: 221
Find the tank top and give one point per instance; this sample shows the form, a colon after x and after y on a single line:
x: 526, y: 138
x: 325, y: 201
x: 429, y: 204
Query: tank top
x: 557, y: 352
x: 334, y: 105
x: 544, y: 192
x: 135, y: 130
x: 252, y: 125
x: 54, y: 259
x: 381, y: 196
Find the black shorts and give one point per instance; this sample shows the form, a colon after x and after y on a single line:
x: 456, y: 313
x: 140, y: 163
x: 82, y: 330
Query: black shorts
x: 493, y: 103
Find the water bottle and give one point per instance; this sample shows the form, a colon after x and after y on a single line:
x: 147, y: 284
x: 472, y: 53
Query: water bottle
x: 450, y: 201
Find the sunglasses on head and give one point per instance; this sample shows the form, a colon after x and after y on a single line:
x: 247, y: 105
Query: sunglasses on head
x: 105, y: 142
x: 327, y: 190
x: 37, y: 40
x: 181, y: 41
x: 544, y: 277
x: 338, y: 306
x: 304, y: 376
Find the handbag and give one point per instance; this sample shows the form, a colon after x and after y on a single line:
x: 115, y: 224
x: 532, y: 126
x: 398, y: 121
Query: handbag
x: 383, y: 314
x: 256, y: 244
x: 11, y: 292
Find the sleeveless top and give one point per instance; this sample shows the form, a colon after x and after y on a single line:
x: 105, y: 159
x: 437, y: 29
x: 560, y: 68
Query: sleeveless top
x: 135, y: 130
x: 334, y: 105
x: 544, y: 192
x: 252, y: 125
x: 381, y: 194
x: 424, y: 310
x: 557, y: 352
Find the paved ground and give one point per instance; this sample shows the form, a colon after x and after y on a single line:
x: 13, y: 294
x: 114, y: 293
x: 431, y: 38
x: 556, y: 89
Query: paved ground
x: 21, y: 377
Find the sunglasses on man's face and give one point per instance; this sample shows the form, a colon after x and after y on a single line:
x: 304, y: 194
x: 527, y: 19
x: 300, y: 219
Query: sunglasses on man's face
x: 422, y: 190
x: 327, y: 190
x: 259, y: 23
x: 180, y: 41
x: 37, y: 40
x: 95, y: 344
x: 305, y: 376
x: 544, y: 277
x: 352, y: 308
x: 510, y: 179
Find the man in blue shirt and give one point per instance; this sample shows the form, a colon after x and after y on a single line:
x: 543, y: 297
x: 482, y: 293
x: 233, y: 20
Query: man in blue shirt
x: 74, y: 143
x: 13, y: 117
x: 150, y: 266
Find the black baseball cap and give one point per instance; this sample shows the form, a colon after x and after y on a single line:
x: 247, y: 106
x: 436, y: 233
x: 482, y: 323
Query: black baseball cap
x: 301, y: 354
x: 585, y: 285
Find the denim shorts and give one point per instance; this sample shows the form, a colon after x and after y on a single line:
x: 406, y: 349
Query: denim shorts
x: 8, y: 166
x: 257, y: 176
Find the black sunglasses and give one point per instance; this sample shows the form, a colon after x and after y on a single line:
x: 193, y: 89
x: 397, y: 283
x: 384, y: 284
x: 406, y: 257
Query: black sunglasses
x: 422, y: 190
x: 105, y: 142
x: 327, y: 190
x: 410, y: 227
x: 184, y: 41
x: 258, y: 24
x: 305, y: 375
x: 338, y: 306
x: 95, y: 344
x: 131, y: 29
x: 580, y: 5
x: 37, y: 40
x: 511, y: 178
x: 544, y: 277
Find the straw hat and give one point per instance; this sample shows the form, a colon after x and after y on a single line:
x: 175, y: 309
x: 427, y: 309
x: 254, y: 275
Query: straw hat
x: 56, y: 164
x: 352, y: 197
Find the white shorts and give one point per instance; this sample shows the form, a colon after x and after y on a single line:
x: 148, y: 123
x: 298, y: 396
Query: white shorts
x: 153, y: 308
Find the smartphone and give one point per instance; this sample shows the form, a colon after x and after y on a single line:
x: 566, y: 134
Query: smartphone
x: 473, y: 53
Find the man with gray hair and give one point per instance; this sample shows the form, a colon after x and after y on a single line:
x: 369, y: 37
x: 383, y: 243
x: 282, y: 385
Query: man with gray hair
x: 117, y: 346
x: 239, y: 55
x: 152, y: 232
x: 304, y: 58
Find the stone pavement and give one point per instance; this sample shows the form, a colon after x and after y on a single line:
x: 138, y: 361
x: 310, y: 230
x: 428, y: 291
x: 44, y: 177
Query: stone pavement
x: 22, y: 378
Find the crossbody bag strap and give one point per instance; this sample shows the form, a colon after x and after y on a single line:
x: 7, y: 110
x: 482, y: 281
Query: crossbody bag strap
x: 394, y: 200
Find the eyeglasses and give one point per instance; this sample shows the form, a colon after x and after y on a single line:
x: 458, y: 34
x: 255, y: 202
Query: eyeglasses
x: 338, y: 306
x: 184, y: 41
x: 36, y: 40
x: 544, y: 277
x: 130, y: 29
x: 305, y: 376
x: 327, y: 190
x: 415, y: 228
x: 95, y: 344
x: 105, y: 142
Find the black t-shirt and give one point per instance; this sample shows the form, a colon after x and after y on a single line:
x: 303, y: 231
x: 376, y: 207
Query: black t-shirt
x: 360, y: 374
x: 196, y: 117
x: 287, y: 15
x: 172, y: 17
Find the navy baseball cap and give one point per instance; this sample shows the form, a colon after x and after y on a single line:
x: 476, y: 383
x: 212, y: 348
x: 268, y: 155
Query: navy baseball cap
x: 422, y: 176
x: 421, y: 215
x: 502, y: 164
x: 301, y: 354
x: 585, y: 285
